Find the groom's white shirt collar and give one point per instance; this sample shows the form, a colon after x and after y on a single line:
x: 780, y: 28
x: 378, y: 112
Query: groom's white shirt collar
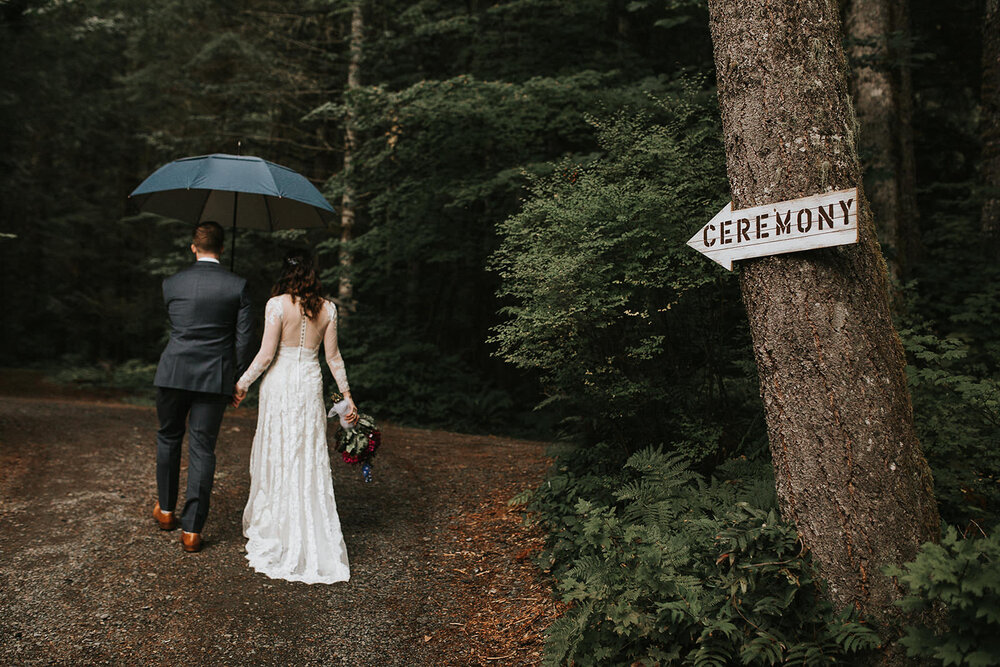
x: 208, y: 259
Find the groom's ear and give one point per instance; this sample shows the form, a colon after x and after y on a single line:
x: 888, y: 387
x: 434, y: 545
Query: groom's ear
x: 194, y: 249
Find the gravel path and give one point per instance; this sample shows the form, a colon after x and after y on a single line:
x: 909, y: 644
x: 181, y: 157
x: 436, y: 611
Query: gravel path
x: 441, y: 572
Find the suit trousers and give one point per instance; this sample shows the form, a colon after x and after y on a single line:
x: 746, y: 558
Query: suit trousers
x: 204, y: 413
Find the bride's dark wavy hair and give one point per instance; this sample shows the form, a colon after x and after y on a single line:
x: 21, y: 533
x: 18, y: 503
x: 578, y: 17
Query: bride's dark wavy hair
x: 299, y: 279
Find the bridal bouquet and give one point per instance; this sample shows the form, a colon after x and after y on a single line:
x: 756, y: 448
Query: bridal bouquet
x: 357, y: 444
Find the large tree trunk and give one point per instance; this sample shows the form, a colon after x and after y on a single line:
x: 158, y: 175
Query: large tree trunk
x: 991, y: 119
x: 849, y: 470
x: 345, y: 292
x: 882, y: 88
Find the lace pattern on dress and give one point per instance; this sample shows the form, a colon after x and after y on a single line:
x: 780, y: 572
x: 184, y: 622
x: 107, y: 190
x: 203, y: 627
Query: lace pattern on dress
x: 333, y: 358
x: 272, y: 312
x: 291, y: 524
x: 260, y: 363
x: 274, y: 318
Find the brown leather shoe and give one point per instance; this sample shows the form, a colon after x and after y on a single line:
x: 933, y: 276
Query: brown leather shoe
x: 191, y: 541
x: 167, y: 520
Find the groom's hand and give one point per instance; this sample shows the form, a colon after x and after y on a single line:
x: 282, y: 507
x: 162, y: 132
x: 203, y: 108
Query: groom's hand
x: 238, y: 397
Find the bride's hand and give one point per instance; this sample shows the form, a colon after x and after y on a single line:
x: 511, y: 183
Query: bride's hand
x: 352, y: 415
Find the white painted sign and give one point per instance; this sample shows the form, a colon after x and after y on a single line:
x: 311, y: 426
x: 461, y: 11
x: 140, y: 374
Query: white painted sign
x: 819, y: 221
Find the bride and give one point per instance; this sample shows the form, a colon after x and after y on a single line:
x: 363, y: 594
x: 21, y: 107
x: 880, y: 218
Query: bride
x: 290, y: 521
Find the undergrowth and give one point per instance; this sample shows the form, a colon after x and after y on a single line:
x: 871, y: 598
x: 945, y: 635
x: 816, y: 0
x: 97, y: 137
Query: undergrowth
x: 661, y: 565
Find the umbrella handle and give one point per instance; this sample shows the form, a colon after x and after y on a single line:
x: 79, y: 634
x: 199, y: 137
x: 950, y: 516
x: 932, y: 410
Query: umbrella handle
x: 236, y: 202
x: 232, y: 252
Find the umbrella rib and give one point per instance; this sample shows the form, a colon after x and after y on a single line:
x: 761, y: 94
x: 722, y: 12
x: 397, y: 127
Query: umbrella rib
x: 204, y: 203
x: 267, y: 207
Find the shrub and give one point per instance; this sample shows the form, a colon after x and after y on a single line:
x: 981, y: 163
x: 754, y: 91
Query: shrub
x: 661, y: 566
x: 957, y: 414
x: 134, y: 376
x: 963, y: 576
x: 634, y: 335
x: 439, y: 164
x: 414, y: 383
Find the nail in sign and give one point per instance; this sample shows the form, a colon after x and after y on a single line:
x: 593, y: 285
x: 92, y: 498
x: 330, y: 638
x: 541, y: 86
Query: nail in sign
x: 819, y: 221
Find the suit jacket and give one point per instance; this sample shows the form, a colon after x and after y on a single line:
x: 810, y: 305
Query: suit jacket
x: 210, y: 329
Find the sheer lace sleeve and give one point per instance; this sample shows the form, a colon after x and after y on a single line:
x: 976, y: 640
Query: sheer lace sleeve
x: 333, y: 358
x: 268, y: 346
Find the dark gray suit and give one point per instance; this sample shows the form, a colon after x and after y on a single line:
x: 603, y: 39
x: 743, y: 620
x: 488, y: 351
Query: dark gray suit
x: 210, y: 329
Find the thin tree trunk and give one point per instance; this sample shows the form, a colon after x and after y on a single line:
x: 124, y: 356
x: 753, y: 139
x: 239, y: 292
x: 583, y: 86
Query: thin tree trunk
x: 991, y: 119
x: 345, y: 292
x: 849, y: 470
x: 882, y: 89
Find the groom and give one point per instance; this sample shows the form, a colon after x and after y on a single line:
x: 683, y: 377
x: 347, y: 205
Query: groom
x: 210, y: 327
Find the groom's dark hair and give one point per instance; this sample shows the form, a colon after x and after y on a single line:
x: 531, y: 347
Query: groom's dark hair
x: 208, y: 237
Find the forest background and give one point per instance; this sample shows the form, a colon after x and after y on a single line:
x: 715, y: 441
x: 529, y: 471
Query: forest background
x: 524, y: 175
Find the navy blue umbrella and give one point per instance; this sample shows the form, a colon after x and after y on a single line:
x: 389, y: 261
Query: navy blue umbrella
x: 253, y: 193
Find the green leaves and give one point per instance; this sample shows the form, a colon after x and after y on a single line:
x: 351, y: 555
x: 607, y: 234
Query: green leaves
x: 957, y: 412
x: 604, y: 299
x: 961, y: 577
x: 442, y: 163
x: 661, y: 564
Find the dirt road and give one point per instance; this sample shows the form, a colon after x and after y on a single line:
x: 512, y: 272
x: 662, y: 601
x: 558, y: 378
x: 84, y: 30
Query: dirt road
x: 440, y: 566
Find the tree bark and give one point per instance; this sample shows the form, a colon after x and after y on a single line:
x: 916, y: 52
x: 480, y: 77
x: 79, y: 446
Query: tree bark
x: 849, y: 470
x: 882, y: 88
x: 345, y: 292
x: 990, y: 101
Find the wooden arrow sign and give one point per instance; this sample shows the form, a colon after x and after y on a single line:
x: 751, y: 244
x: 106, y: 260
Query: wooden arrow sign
x: 819, y: 221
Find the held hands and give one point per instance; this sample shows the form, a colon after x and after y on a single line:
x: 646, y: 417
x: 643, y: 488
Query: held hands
x: 238, y: 395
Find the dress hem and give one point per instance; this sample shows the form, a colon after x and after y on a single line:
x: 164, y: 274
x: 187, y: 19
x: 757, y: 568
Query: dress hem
x: 302, y: 578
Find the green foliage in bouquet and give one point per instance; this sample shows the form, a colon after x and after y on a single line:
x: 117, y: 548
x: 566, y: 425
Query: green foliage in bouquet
x: 355, y: 442
x: 662, y: 566
x: 963, y: 577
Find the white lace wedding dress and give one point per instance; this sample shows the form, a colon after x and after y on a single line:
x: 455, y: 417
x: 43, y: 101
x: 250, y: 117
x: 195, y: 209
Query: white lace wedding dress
x: 290, y: 521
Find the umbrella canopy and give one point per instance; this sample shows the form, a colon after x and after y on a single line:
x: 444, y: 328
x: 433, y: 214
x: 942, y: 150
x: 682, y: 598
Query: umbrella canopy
x: 250, y: 192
